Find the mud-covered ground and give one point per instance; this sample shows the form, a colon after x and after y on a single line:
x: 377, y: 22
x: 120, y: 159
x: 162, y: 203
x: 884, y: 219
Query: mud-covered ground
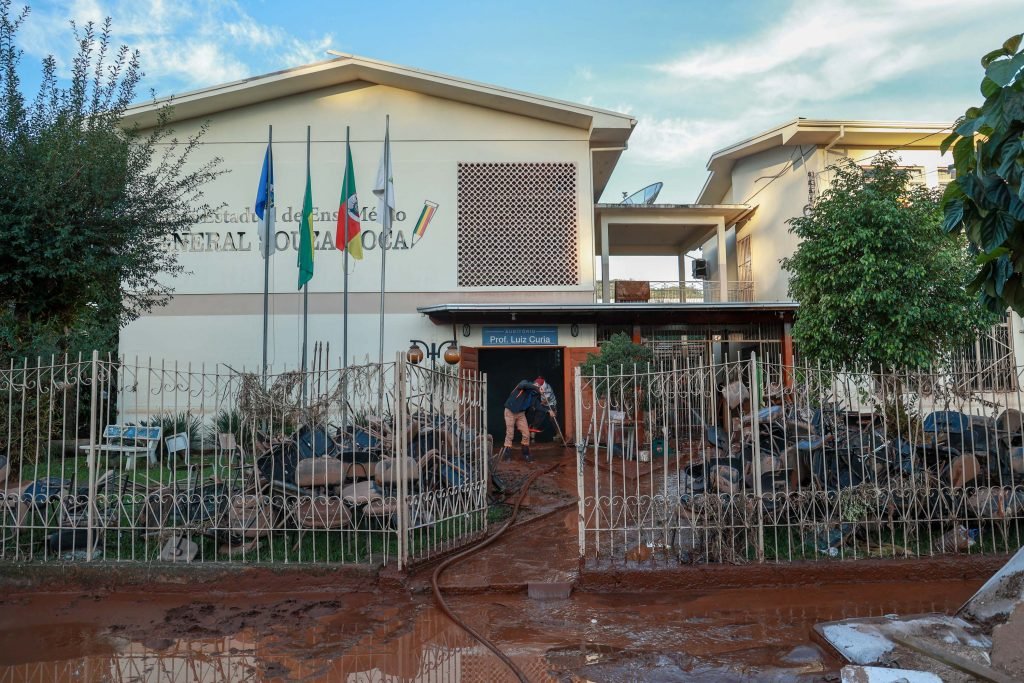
x: 124, y: 623
x: 266, y: 633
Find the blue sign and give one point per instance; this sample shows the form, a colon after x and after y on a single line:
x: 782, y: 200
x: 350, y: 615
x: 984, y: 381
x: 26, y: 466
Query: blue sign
x: 520, y: 336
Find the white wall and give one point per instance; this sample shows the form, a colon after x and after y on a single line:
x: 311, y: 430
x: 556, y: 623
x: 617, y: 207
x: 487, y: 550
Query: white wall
x: 430, y: 136
x: 783, y: 197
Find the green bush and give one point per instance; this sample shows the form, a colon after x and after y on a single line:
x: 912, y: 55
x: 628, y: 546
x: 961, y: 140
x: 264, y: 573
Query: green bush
x: 618, y: 356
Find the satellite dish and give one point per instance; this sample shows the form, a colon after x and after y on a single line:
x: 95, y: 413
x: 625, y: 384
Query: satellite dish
x: 645, y: 196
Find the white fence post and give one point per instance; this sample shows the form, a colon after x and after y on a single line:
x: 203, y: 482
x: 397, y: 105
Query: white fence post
x: 481, y: 420
x: 755, y: 430
x: 581, y: 452
x: 401, y: 419
x: 93, y: 417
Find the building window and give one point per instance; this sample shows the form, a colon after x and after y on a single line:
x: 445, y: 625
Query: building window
x: 917, y: 175
x: 989, y: 363
x: 945, y: 177
x: 517, y: 225
x: 744, y: 271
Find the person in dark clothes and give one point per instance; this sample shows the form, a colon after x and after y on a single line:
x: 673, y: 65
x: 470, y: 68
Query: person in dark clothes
x: 525, y: 398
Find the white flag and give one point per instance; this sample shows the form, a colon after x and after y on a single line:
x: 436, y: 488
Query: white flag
x: 384, y: 188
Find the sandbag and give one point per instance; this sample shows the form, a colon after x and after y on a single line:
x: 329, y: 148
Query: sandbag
x: 320, y: 471
x: 386, y: 472
x: 248, y: 516
x: 360, y: 493
x: 963, y: 470
x: 322, y: 512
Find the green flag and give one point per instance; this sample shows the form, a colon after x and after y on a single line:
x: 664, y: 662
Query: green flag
x: 306, y: 235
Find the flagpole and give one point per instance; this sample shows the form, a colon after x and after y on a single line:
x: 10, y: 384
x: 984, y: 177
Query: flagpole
x: 305, y: 296
x: 344, y: 326
x: 266, y: 256
x: 385, y: 233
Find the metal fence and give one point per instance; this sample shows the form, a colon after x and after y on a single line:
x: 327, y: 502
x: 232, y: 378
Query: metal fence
x: 677, y: 291
x: 143, y: 461
x: 756, y: 461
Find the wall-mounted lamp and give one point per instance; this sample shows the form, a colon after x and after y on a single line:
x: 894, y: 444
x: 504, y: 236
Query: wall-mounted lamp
x: 449, y: 350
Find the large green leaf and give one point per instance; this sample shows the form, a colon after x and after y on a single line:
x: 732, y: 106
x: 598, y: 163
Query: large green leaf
x: 952, y: 191
x: 995, y: 228
x: 996, y: 191
x: 989, y: 87
x: 992, y: 56
x: 954, y: 216
x: 970, y: 123
x: 973, y: 188
x: 963, y: 154
x: 986, y: 257
x: 1002, y: 272
x: 1009, y: 153
x: 1013, y: 106
x: 949, y: 139
x: 1003, y: 71
x: 1012, y: 43
x: 1016, y: 208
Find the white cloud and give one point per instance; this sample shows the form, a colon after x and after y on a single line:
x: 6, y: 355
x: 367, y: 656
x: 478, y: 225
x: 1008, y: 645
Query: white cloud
x: 835, y: 48
x: 184, y: 43
x: 297, y: 51
x: 827, y: 59
x: 679, y: 141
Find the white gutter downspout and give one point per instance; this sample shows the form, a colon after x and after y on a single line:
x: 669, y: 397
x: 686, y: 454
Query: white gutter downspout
x: 842, y: 134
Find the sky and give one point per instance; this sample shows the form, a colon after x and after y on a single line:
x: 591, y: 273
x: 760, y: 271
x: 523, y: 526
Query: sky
x: 697, y: 75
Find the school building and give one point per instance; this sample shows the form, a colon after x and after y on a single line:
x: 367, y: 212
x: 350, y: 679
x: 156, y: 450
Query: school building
x: 507, y: 267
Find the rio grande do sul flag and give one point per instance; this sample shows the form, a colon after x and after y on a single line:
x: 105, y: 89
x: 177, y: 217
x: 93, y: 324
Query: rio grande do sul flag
x: 306, y: 235
x: 348, y: 212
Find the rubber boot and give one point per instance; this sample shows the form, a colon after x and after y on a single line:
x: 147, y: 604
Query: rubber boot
x: 526, y: 453
x: 505, y: 454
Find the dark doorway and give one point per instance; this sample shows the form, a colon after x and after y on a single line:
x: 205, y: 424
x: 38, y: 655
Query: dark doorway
x: 505, y: 368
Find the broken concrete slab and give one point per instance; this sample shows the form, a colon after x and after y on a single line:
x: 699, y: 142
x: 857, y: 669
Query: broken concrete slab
x: 879, y: 674
x: 554, y: 590
x: 870, y: 640
x: 1007, y: 654
x: 999, y: 596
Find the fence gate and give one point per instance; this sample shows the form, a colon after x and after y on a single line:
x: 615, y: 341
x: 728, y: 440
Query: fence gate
x: 131, y: 460
x: 755, y: 461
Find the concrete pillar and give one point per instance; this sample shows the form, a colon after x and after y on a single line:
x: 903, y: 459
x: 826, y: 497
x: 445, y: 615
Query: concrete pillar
x: 682, y: 277
x: 723, y: 267
x: 605, y: 251
x: 787, y: 355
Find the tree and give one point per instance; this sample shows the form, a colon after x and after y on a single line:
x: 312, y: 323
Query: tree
x: 618, y: 357
x: 986, y: 200
x: 880, y: 285
x: 87, y: 204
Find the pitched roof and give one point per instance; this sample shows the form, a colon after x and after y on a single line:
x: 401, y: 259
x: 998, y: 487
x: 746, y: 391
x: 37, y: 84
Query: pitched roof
x: 799, y: 131
x: 608, y: 130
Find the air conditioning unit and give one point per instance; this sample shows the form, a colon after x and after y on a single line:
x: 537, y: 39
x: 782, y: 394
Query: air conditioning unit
x: 699, y: 269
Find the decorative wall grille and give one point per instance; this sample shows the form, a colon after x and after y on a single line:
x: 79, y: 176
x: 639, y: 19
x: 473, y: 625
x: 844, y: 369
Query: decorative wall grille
x: 517, y: 225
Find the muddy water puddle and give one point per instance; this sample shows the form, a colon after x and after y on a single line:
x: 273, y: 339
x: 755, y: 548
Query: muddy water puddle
x: 357, y: 636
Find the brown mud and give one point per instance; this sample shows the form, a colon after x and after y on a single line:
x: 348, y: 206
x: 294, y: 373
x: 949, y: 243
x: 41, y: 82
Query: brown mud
x: 220, y: 623
x: 275, y: 635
